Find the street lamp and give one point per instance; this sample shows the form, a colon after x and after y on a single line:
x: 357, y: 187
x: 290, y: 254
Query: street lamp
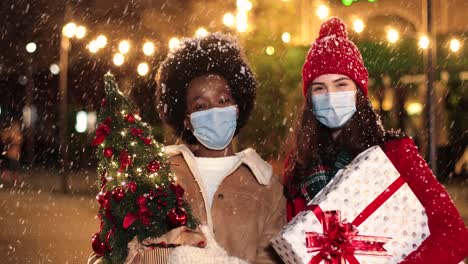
x: 69, y: 30
x: 31, y: 47
x: 54, y: 69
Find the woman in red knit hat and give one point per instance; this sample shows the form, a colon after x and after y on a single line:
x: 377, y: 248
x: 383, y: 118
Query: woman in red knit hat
x: 338, y: 122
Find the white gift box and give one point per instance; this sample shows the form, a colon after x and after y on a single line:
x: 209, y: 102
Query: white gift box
x: 370, y: 194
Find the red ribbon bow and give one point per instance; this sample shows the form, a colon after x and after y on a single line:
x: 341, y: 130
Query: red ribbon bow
x: 102, y: 132
x: 339, y: 241
x: 143, y: 214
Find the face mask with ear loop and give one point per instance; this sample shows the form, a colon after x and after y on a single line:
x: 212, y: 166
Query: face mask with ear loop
x: 214, y: 128
x: 334, y: 109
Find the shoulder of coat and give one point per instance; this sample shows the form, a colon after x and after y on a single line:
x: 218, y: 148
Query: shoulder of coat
x: 261, y: 169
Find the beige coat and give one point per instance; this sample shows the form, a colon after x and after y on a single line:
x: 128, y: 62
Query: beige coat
x: 248, y: 207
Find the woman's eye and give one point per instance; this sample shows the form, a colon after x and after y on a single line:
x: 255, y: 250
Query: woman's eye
x: 199, y: 106
x: 224, y: 100
x: 317, y: 88
x: 342, y: 84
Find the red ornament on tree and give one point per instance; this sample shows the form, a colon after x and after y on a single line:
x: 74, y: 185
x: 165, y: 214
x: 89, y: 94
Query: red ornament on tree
x: 153, y: 166
x: 125, y: 160
x: 108, y: 152
x: 98, y: 246
x: 118, y: 194
x: 130, y: 118
x: 103, y: 102
x: 146, y: 140
x: 102, y: 132
x: 103, y: 199
x: 177, y: 189
x: 136, y: 131
x: 141, y: 201
x: 132, y: 186
x: 176, y: 217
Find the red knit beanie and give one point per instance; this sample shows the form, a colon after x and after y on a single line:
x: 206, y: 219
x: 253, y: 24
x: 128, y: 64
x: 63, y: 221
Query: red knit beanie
x: 333, y: 53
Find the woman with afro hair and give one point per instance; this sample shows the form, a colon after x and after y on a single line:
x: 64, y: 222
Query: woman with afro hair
x: 205, y: 93
x: 338, y: 122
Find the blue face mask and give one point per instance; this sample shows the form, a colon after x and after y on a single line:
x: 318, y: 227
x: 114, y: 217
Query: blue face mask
x: 334, y: 109
x: 215, y: 127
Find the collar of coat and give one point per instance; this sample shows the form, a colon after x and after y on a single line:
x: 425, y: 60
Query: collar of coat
x: 261, y: 169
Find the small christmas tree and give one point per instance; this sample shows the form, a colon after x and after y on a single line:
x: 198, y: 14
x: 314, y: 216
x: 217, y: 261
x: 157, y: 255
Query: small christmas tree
x: 138, y: 196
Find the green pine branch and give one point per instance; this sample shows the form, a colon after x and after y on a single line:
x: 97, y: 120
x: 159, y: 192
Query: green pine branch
x: 126, y: 150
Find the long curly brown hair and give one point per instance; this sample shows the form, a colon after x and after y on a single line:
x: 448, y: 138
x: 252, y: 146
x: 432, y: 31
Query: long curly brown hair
x: 312, y: 144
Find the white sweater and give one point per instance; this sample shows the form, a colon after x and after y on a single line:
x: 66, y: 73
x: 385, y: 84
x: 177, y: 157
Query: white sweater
x: 213, y: 171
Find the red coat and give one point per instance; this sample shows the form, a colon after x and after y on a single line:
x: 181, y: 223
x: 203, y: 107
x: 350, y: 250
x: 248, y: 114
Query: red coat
x: 448, y: 241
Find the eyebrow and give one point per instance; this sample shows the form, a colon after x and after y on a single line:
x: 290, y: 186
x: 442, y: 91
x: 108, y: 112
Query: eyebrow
x: 198, y: 97
x: 341, y: 79
x: 335, y: 81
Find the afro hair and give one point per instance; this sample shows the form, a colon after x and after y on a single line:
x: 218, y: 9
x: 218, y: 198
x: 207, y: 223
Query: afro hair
x: 215, y: 53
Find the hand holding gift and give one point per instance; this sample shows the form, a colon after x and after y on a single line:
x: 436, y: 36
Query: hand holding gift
x: 366, y: 214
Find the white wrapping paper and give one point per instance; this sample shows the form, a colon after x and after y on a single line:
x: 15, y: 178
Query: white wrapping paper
x: 401, y: 217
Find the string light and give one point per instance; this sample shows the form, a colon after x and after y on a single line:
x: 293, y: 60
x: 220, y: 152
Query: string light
x: 242, y: 24
x: 93, y: 46
x: 101, y: 41
x: 270, y: 50
x: 358, y: 25
x: 118, y: 59
x: 174, y: 43
x: 286, y: 37
x: 229, y: 20
x: 201, y: 32
x: 455, y: 45
x: 322, y: 12
x: 244, y: 5
x: 148, y: 48
x: 393, y: 35
x: 423, y: 42
x: 80, y: 32
x: 124, y: 46
x: 143, y: 69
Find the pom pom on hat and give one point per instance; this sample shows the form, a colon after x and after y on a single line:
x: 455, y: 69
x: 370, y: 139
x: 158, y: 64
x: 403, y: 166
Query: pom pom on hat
x: 333, y: 53
x: 333, y: 27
